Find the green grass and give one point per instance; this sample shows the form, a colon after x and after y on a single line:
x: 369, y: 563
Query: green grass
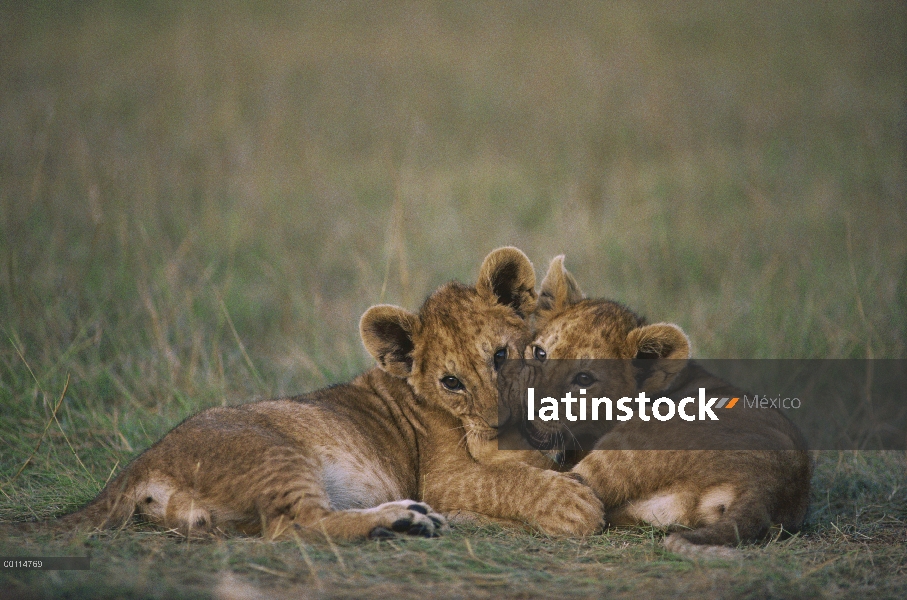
x: 198, y: 202
x: 846, y: 557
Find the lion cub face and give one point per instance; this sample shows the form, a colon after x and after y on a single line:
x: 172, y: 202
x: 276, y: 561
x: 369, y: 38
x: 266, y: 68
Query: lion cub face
x: 578, y: 333
x: 568, y: 326
x: 450, y: 352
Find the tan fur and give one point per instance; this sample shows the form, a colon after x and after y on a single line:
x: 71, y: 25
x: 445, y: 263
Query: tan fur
x: 713, y: 497
x: 339, y: 462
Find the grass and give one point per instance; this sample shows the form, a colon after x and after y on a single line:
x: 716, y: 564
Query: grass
x: 846, y: 557
x: 198, y: 202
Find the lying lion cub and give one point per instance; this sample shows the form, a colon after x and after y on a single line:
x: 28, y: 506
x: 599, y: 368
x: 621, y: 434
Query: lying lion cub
x: 712, y: 497
x: 340, y: 461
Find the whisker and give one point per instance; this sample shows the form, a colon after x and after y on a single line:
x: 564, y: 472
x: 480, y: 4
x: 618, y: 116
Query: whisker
x: 576, y: 441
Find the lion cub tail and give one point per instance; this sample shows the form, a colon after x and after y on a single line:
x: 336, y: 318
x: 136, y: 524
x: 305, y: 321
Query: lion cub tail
x: 110, y: 509
x: 717, y: 540
x: 679, y: 543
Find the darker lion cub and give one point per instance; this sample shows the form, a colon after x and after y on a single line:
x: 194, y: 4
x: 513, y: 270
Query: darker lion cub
x: 756, y: 475
x: 339, y: 462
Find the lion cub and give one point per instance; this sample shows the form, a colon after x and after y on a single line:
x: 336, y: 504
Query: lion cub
x: 712, y: 498
x: 340, y: 462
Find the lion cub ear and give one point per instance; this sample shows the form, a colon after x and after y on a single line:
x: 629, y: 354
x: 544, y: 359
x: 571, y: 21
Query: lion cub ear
x: 507, y: 278
x: 387, y: 332
x: 665, y: 342
x: 559, y: 288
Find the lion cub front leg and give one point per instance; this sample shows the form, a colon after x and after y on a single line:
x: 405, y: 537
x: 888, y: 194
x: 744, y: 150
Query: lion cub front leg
x: 612, y: 475
x: 548, y: 501
x: 486, y: 452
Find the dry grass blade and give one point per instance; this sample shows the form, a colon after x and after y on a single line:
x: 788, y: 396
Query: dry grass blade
x: 333, y: 547
x: 308, y: 559
x: 270, y: 571
x: 53, y: 418
x: 240, y: 345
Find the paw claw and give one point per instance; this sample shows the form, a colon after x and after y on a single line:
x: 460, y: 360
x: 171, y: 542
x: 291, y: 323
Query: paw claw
x: 420, y: 530
x: 380, y: 533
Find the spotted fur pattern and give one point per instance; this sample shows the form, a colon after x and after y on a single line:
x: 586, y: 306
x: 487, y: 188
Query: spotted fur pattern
x: 712, y: 499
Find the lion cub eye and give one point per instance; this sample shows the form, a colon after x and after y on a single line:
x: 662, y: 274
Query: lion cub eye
x: 583, y: 379
x: 499, y: 357
x: 539, y: 354
x: 452, y: 383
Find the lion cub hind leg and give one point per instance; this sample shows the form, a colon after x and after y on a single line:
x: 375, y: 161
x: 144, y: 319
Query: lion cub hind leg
x: 407, y: 517
x: 188, y: 514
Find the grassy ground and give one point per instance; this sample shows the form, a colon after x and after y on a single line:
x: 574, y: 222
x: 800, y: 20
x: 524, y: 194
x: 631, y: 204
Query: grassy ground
x: 198, y: 202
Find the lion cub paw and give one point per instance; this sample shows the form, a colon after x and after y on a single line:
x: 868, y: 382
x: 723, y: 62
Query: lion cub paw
x: 406, y: 517
x: 570, y: 508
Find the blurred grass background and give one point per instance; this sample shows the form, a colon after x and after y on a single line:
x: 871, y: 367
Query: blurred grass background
x: 198, y: 200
